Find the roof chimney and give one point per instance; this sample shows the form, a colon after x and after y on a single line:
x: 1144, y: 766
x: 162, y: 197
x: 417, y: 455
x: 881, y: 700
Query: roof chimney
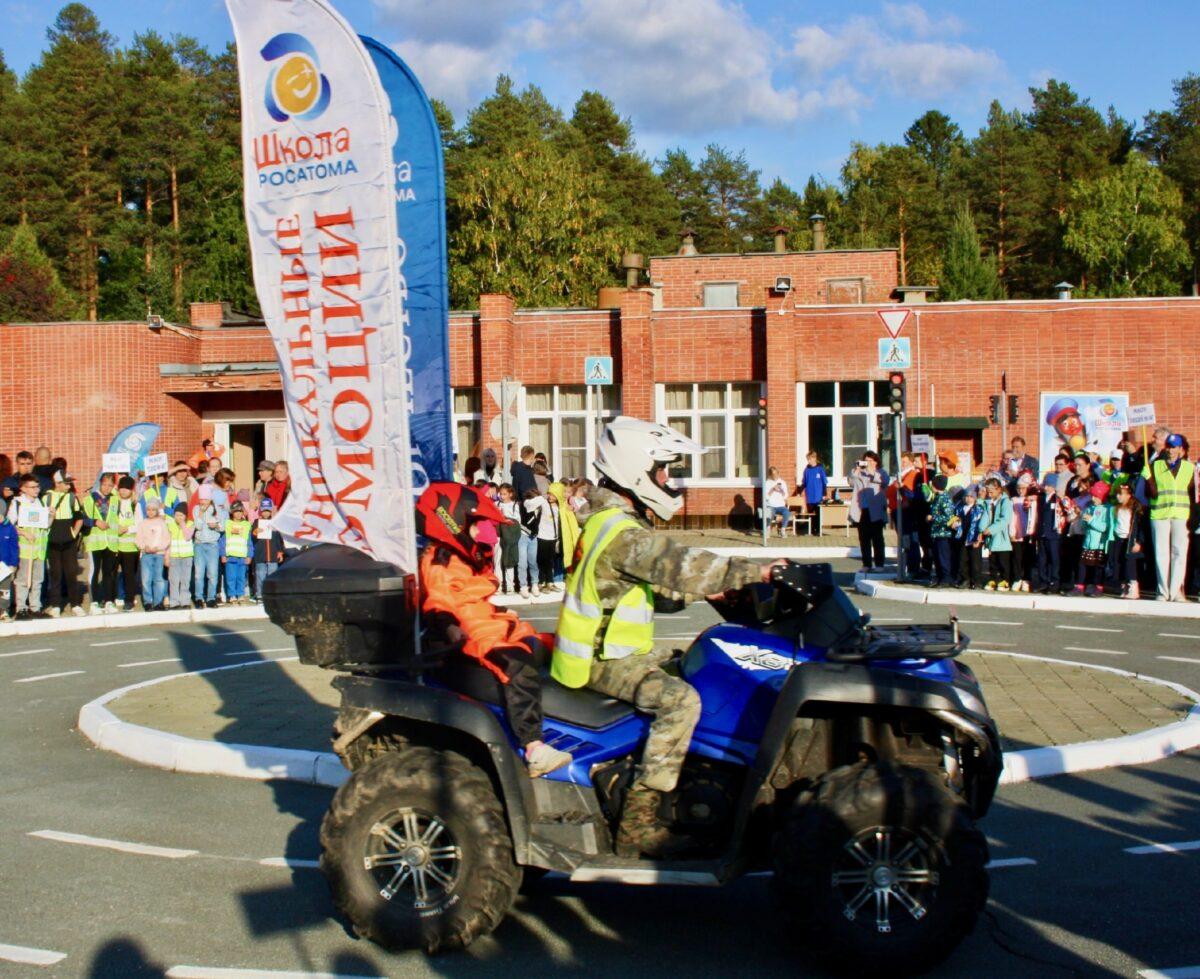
x: 688, y: 239
x: 818, y: 232
x: 633, y: 264
x: 781, y: 239
x: 1062, y: 291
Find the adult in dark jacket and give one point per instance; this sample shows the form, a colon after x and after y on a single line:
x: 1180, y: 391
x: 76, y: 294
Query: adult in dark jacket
x: 523, y: 479
x: 1049, y: 537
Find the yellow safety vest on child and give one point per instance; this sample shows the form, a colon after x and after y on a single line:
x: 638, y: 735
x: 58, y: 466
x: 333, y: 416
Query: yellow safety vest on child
x: 97, y: 539
x: 237, y: 538
x: 181, y: 541
x: 32, y: 541
x: 122, y: 521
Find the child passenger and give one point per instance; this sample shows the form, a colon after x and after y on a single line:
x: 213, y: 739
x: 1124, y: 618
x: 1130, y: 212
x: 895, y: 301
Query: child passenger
x: 457, y: 585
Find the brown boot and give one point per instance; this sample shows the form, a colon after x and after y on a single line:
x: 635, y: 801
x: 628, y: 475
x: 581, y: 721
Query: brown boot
x: 640, y: 832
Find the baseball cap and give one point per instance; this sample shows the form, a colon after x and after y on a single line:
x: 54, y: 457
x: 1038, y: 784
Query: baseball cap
x: 62, y: 477
x: 1116, y: 454
x: 266, y: 504
x: 265, y: 466
x: 1081, y: 455
x: 1175, y: 441
x: 236, y: 505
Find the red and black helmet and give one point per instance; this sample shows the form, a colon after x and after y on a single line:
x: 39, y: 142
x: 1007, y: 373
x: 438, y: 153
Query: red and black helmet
x: 445, y: 511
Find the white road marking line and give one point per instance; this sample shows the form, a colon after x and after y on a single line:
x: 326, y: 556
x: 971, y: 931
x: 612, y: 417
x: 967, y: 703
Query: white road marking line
x: 254, y: 652
x: 1011, y: 862
x: 1085, y: 628
x: 239, y: 632
x: 148, y: 662
x: 988, y: 622
x: 49, y: 676
x: 143, y: 848
x: 1183, y: 972
x: 880, y: 618
x: 30, y: 956
x: 1177, y: 635
x: 1102, y: 652
x: 1178, y: 659
x: 1183, y: 847
x: 27, y: 652
x: 208, y: 972
x: 124, y: 642
x: 290, y: 863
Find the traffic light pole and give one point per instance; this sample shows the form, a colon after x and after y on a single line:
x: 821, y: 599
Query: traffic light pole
x: 762, y: 459
x: 900, y: 563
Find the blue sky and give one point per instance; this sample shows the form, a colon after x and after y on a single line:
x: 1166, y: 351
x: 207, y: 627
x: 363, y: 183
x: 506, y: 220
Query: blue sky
x: 793, y: 83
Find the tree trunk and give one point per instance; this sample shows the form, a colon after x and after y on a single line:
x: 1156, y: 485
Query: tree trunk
x: 903, y: 247
x: 177, y: 265
x: 149, y: 242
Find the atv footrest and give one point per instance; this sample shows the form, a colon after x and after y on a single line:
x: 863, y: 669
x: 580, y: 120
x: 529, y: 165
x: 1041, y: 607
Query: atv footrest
x: 901, y: 642
x: 618, y: 870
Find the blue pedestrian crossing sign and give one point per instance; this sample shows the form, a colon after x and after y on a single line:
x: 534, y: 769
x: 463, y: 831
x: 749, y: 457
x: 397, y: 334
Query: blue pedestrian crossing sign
x: 895, y: 353
x: 597, y: 370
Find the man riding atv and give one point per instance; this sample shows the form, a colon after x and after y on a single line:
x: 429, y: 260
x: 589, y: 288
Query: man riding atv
x: 623, y: 573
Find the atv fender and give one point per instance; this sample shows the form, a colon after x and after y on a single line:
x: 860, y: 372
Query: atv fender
x: 445, y: 710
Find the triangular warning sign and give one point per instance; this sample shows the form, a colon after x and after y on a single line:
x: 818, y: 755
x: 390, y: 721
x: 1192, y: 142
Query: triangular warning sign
x: 893, y: 320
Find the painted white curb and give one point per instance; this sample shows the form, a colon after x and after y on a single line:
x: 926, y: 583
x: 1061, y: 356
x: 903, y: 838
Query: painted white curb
x: 875, y: 588
x: 125, y: 620
x: 161, y: 749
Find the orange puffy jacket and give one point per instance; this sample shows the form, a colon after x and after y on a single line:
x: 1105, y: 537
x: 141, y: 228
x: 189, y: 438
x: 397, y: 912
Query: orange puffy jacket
x: 451, y: 586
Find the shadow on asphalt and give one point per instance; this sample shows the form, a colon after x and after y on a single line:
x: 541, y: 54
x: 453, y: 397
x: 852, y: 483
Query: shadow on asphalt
x: 1060, y: 918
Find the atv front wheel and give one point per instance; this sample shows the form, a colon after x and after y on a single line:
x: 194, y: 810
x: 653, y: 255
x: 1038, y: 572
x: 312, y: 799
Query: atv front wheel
x: 417, y: 852
x: 880, y: 869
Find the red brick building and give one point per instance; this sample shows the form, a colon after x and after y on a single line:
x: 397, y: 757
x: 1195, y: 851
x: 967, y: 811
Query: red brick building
x: 698, y: 347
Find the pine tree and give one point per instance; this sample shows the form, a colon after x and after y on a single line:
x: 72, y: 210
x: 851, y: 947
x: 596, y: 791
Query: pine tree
x: 731, y: 189
x: 686, y: 185
x: 966, y: 274
x: 30, y: 289
x: 1172, y: 140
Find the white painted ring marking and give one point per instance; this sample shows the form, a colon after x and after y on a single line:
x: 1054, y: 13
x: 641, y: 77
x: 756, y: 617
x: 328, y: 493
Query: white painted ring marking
x: 1183, y: 847
x: 254, y: 652
x: 26, y: 652
x: 49, y: 676
x: 1098, y: 652
x: 141, y: 848
x: 1183, y: 972
x: 988, y: 622
x: 1177, y: 635
x: 209, y: 972
x: 1179, y: 659
x: 1085, y: 628
x: 148, y: 662
x: 1011, y: 862
x: 30, y: 956
x: 125, y: 642
x: 291, y: 863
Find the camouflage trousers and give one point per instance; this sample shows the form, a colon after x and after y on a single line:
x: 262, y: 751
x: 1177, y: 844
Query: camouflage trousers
x: 640, y: 680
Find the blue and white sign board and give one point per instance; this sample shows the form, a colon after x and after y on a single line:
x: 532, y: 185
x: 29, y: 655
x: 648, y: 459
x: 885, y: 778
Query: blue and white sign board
x: 598, y: 370
x: 895, y: 353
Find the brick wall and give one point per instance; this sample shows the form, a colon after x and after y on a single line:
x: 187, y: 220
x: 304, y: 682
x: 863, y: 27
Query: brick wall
x: 682, y: 276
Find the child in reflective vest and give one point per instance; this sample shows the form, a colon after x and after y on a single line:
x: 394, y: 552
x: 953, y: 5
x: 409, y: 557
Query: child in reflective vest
x: 179, y: 573
x: 31, y: 546
x: 237, y: 553
x: 122, y: 520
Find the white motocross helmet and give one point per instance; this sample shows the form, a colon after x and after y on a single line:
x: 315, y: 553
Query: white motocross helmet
x: 634, y: 455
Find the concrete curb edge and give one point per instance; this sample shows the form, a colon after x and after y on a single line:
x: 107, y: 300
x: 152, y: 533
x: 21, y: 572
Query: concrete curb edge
x: 126, y: 620
x: 174, y: 752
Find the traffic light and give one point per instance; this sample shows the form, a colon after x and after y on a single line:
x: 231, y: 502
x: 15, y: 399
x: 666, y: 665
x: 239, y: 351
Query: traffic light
x: 1014, y: 409
x: 896, y: 392
x: 762, y: 412
x: 994, y: 409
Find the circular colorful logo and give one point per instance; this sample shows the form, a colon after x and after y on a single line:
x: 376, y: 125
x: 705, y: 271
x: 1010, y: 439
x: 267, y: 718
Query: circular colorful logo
x: 295, y: 88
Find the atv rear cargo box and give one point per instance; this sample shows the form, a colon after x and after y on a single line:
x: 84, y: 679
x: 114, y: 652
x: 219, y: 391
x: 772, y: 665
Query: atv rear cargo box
x: 344, y: 608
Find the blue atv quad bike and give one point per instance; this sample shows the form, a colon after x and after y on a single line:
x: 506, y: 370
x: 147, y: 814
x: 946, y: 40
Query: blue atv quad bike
x: 849, y: 761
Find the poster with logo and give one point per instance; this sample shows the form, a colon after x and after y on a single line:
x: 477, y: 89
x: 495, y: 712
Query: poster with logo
x: 320, y: 179
x: 1082, y: 422
x: 129, y: 444
x: 424, y: 277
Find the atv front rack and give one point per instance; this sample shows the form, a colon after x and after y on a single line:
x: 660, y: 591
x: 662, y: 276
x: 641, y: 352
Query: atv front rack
x: 900, y: 642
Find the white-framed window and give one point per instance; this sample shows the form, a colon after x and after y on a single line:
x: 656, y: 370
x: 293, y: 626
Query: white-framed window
x: 467, y: 419
x: 560, y: 420
x: 840, y: 420
x: 720, y: 295
x: 723, y: 417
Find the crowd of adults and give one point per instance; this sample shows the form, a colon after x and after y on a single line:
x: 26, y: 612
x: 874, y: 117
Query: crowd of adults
x: 1126, y: 525
x: 188, y: 538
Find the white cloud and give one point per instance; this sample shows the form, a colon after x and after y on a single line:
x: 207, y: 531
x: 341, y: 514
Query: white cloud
x: 478, y: 24
x: 912, y: 18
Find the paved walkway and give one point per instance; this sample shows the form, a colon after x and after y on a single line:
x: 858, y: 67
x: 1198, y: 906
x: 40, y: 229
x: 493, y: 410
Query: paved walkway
x: 286, y: 705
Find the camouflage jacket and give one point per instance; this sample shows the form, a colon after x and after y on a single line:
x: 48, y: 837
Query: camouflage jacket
x: 678, y: 575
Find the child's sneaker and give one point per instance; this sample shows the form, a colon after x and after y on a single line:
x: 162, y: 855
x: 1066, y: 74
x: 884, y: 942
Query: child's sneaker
x: 110, y: 608
x: 1003, y: 586
x: 990, y: 586
x: 542, y: 759
x: 1079, y: 589
x: 78, y: 610
x: 96, y: 609
x: 1090, y: 591
x: 524, y: 593
x: 536, y: 591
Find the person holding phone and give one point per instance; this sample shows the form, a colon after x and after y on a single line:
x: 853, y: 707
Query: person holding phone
x: 868, y: 508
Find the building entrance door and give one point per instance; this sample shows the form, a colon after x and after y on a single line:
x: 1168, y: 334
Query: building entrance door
x: 249, y: 439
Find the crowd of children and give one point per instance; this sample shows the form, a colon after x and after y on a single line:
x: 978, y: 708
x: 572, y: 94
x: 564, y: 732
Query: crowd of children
x: 189, y: 538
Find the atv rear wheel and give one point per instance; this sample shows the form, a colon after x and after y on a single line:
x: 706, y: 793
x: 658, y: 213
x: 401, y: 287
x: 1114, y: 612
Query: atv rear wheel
x: 880, y: 869
x: 417, y: 852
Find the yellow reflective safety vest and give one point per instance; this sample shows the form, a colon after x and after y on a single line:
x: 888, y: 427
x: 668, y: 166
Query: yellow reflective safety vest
x: 630, y: 630
x: 97, y: 539
x: 1172, y: 500
x: 32, y: 543
x: 237, y: 538
x: 122, y: 523
x: 181, y: 544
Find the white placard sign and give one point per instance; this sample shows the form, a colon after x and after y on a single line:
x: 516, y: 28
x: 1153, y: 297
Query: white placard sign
x: 1140, y: 415
x: 922, y: 444
x: 264, y: 529
x: 34, y: 516
x: 115, y: 462
x: 156, y: 464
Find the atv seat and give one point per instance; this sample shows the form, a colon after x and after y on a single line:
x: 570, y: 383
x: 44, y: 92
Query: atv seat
x: 582, y: 707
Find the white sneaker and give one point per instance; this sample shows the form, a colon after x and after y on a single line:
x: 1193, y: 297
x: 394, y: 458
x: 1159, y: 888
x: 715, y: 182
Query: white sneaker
x: 524, y: 592
x: 536, y: 590
x: 78, y: 610
x: 542, y: 759
x: 53, y: 611
x: 110, y: 608
x: 96, y: 609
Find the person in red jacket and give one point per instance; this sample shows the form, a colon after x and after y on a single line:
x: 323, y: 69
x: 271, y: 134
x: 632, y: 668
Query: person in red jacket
x: 457, y: 583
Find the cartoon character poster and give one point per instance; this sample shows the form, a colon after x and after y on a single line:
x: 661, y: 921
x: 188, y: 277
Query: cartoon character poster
x: 1081, y: 422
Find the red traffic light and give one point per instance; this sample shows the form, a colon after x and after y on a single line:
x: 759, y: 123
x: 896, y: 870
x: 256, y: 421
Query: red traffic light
x: 896, y: 378
x: 762, y: 402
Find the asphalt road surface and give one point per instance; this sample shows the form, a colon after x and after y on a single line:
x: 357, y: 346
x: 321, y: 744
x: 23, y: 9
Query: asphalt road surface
x: 113, y: 869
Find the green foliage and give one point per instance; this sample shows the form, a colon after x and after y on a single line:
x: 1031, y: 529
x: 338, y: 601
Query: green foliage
x: 966, y: 274
x: 30, y: 290
x: 1127, y: 229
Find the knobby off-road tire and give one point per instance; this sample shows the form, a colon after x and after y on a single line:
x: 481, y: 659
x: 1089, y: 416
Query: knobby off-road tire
x: 398, y: 798
x: 828, y: 859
